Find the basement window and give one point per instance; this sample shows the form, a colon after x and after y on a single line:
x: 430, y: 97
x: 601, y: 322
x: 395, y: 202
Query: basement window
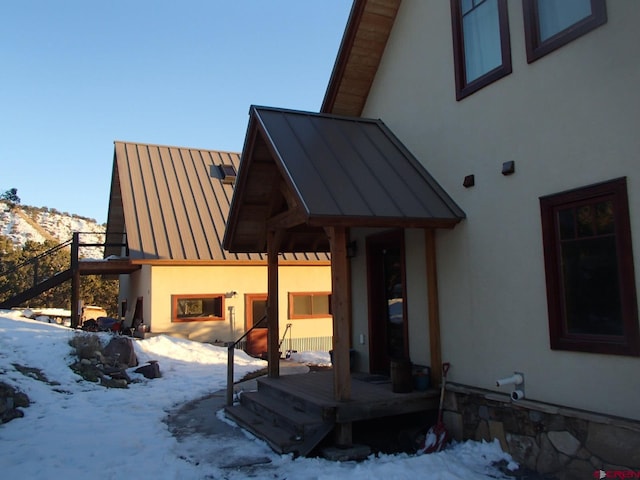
x: 591, y: 293
x: 197, y: 308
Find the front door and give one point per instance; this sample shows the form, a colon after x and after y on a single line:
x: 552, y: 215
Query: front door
x: 256, y: 309
x: 388, y: 329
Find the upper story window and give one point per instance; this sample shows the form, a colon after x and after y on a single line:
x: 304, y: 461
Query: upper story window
x: 550, y: 24
x: 481, y: 47
x: 193, y: 308
x: 591, y: 291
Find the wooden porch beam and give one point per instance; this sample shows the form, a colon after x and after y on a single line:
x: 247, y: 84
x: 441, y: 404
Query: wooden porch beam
x: 435, y: 345
x: 274, y: 238
x: 285, y: 220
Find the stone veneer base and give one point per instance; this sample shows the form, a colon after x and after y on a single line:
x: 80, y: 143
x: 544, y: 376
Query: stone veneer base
x: 550, y: 439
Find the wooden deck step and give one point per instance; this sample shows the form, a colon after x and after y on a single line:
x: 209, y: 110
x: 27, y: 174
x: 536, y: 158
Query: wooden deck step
x: 279, y: 439
x: 283, y: 428
x: 294, y: 413
x: 295, y: 418
x: 295, y: 400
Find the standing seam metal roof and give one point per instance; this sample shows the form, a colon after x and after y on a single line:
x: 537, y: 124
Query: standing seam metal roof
x: 342, y: 171
x: 172, y: 203
x: 353, y: 167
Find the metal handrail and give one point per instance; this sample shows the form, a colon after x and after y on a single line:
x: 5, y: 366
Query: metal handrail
x: 35, y: 258
x: 284, y: 335
x: 230, y: 359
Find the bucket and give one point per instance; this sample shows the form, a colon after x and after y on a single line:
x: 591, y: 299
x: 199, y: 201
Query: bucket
x: 401, y: 376
x: 421, y: 378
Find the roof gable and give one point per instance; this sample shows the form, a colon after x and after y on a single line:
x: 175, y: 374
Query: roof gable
x: 305, y: 171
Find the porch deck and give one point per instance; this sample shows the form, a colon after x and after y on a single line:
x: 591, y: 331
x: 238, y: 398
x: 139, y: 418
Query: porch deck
x: 294, y: 413
x: 372, y: 396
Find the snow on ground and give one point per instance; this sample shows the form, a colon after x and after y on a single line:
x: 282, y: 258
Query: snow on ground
x: 75, y: 429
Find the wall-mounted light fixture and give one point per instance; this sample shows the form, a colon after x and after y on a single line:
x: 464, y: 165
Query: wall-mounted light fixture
x: 508, y: 167
x: 469, y: 181
x: 230, y: 294
x: 352, y: 249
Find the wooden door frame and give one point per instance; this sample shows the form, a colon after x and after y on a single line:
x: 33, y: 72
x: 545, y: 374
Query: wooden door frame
x: 249, y: 298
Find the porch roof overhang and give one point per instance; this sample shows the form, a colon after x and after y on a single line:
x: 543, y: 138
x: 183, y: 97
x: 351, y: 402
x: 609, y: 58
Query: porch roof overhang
x: 303, y: 172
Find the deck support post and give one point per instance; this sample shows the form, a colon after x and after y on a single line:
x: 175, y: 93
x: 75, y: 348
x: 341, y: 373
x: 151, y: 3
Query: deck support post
x: 75, y: 281
x: 273, y: 333
x: 435, y: 345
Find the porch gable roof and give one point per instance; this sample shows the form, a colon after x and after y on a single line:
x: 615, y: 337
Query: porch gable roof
x: 303, y: 171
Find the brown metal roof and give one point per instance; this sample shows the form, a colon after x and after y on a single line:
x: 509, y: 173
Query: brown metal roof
x: 363, y: 43
x: 303, y: 171
x: 173, y: 203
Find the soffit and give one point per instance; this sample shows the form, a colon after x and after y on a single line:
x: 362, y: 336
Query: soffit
x: 363, y: 43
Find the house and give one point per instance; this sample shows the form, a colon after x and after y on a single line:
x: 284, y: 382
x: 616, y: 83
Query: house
x: 519, y: 272
x: 168, y: 206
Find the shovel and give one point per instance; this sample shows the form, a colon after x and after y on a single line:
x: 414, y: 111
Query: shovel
x: 437, y: 435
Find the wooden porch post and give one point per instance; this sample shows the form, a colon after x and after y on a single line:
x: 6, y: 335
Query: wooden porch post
x: 341, y: 328
x: 433, y: 307
x: 273, y: 333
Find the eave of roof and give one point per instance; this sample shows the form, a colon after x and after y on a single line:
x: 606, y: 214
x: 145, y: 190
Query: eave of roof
x: 363, y: 43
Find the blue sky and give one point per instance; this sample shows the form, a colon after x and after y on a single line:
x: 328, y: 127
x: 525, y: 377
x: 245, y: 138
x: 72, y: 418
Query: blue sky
x: 79, y: 74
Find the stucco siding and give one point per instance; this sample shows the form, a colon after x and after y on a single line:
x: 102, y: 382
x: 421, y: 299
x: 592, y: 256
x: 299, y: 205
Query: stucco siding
x: 176, y: 280
x: 568, y: 120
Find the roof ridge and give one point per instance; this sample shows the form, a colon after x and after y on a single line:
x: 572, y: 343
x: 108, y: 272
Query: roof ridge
x: 125, y: 142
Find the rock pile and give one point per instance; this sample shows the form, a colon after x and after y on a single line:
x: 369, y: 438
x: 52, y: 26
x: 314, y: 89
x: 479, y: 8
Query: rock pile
x: 11, y: 401
x: 109, y: 365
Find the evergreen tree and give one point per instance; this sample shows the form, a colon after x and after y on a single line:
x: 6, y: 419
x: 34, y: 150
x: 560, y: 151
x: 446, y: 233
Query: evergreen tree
x: 11, y: 197
x: 8, y: 260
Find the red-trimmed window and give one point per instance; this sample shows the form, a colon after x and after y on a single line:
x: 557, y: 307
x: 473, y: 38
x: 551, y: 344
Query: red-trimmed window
x: 481, y: 46
x: 309, y: 304
x: 550, y: 24
x: 197, y: 308
x: 591, y: 291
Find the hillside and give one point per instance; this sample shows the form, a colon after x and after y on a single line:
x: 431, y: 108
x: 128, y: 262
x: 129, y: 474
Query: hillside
x: 23, y: 223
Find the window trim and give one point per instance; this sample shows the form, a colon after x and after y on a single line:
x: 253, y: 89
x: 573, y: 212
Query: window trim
x: 537, y: 49
x: 174, y: 307
x: 629, y: 342
x: 292, y: 313
x: 464, y: 89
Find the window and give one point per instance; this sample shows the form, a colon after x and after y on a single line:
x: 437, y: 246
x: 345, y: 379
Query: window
x: 197, y: 308
x: 550, y: 24
x: 309, y: 305
x: 481, y: 48
x: 591, y: 291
